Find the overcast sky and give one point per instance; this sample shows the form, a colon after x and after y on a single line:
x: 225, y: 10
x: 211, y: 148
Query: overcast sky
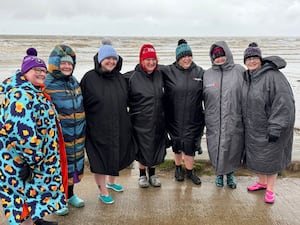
x: 151, y: 17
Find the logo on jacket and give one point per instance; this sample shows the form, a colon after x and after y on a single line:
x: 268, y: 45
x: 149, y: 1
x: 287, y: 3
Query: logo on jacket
x: 197, y: 79
x: 215, y: 84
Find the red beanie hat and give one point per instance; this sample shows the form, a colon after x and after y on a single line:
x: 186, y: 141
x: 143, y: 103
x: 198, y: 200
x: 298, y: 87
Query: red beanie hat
x: 147, y: 51
x: 217, y: 52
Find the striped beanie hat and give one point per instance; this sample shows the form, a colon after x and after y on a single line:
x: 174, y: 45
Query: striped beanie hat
x: 183, y: 49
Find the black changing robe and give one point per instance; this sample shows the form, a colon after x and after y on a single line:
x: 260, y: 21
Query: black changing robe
x: 147, y: 115
x: 110, y: 144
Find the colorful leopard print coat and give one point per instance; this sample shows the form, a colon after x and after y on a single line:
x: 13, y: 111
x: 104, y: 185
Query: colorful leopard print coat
x: 28, y: 134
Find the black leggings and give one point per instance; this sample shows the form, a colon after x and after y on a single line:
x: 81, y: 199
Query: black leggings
x: 70, y: 191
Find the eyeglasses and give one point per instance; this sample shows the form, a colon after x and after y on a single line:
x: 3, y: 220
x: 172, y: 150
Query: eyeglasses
x: 39, y: 70
x: 252, y: 59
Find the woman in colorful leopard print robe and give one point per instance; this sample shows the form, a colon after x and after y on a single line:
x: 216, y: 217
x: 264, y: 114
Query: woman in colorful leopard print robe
x: 29, y: 142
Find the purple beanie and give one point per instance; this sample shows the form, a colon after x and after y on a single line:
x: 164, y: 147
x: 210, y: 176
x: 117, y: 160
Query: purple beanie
x: 252, y: 51
x: 31, y: 60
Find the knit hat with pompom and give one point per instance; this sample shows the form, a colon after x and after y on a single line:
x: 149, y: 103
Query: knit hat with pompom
x: 107, y: 51
x: 252, y: 51
x: 31, y: 60
x: 183, y: 49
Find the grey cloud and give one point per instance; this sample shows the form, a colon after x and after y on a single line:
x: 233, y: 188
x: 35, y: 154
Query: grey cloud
x: 152, y: 17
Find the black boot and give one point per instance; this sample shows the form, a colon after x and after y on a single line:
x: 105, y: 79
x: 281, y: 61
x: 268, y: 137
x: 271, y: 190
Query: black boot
x: 44, y: 222
x: 230, y: 180
x: 179, y: 173
x: 193, y: 177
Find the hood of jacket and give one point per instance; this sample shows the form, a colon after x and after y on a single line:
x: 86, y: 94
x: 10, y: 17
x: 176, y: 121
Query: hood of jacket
x: 139, y: 68
x: 275, y: 62
x: 229, y: 63
x: 270, y: 63
x: 57, y: 53
x: 100, y: 71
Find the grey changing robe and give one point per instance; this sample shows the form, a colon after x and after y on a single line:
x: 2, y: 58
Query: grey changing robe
x: 268, y: 108
x: 223, y: 113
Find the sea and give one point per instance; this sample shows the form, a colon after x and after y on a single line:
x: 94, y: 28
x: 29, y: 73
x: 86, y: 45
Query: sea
x: 13, y: 49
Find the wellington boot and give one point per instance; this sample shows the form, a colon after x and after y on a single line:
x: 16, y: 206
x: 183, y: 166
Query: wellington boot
x: 219, y: 181
x: 179, y: 174
x: 230, y: 180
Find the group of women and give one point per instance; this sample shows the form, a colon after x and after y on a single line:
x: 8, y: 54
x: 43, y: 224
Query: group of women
x: 47, y: 121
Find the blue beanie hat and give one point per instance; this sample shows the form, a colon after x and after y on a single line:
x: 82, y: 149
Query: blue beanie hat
x: 106, y: 51
x: 67, y: 58
x: 183, y: 49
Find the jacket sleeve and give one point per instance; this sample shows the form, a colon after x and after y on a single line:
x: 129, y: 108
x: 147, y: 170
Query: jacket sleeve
x: 282, y: 112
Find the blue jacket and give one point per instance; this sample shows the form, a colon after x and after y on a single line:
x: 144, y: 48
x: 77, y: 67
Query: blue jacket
x: 66, y: 95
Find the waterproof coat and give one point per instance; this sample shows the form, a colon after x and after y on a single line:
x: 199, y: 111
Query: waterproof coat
x: 110, y: 143
x: 28, y: 134
x: 223, y: 112
x: 268, y: 108
x: 66, y: 95
x: 183, y: 106
x: 147, y: 115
